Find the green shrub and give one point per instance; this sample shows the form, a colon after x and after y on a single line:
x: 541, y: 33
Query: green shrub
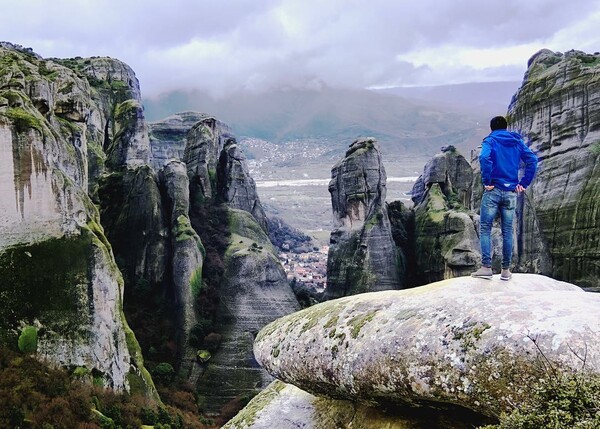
x: 561, y: 401
x: 28, y: 340
x: 164, y: 372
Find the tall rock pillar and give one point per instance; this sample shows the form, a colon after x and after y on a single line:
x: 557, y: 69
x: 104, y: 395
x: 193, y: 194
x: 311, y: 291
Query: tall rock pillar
x: 362, y: 254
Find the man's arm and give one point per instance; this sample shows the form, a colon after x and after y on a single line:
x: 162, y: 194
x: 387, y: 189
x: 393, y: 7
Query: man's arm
x: 485, y: 161
x: 531, y: 162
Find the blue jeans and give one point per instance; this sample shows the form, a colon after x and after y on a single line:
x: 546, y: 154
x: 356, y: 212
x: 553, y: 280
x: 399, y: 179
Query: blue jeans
x: 495, y: 201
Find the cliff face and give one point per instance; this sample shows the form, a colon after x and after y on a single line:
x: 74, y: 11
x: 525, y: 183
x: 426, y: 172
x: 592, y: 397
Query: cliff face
x: 168, y: 137
x: 362, y: 254
x: 558, y: 111
x: 235, y: 186
x: 254, y: 292
x: 201, y: 155
x: 57, y: 268
x: 446, y: 236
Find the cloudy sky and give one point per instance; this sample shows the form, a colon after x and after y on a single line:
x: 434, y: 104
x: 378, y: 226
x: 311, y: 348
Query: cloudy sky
x: 228, y: 45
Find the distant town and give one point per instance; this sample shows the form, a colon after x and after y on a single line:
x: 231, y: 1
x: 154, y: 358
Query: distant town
x: 308, y: 268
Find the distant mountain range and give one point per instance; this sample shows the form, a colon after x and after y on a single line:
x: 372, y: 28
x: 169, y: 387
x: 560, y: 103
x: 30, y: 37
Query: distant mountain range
x: 415, y: 120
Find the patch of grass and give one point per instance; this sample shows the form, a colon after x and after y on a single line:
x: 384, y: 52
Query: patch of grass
x: 23, y: 120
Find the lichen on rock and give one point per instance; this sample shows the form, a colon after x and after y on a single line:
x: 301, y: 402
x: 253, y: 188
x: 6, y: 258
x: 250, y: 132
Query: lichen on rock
x: 464, y: 341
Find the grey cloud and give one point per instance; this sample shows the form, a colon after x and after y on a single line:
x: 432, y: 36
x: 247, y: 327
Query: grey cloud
x: 270, y: 43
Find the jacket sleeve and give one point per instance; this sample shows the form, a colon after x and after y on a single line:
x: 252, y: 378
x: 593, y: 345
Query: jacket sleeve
x: 485, y: 161
x: 531, y: 162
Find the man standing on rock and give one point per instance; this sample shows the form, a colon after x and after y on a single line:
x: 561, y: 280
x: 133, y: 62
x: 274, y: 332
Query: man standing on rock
x: 501, y: 153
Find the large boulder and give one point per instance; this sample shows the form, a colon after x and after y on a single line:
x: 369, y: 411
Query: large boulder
x: 284, y: 406
x: 469, y: 342
x: 557, y: 109
x: 362, y: 254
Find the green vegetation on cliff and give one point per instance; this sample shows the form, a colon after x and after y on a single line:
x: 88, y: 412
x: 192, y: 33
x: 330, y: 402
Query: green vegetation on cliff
x: 46, y: 281
x: 35, y: 395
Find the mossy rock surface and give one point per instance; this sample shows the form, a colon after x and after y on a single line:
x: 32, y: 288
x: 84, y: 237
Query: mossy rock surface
x: 463, y: 341
x: 48, y: 281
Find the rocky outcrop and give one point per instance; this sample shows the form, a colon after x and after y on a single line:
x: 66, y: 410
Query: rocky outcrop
x: 57, y: 270
x: 132, y: 215
x: 284, y: 406
x: 235, y: 187
x: 168, y: 137
x: 130, y: 146
x: 362, y: 255
x: 204, y: 144
x: 187, y: 257
x: 452, y: 172
x: 465, y: 342
x: 445, y: 234
x: 557, y: 109
x: 253, y: 293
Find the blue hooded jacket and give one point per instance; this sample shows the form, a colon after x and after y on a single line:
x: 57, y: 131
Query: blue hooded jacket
x: 501, y: 153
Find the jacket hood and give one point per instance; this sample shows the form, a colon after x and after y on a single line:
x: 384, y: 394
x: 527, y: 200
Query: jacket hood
x: 505, y: 137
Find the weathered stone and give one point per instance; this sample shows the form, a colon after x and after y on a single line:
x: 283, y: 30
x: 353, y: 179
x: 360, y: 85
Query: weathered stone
x: 558, y: 110
x: 168, y: 137
x: 464, y: 341
x: 284, y: 406
x: 57, y: 269
x: 362, y: 255
x: 201, y: 155
x: 446, y: 241
x: 452, y: 172
x: 254, y: 292
x: 132, y: 215
x: 187, y: 257
x: 131, y: 145
x: 235, y: 187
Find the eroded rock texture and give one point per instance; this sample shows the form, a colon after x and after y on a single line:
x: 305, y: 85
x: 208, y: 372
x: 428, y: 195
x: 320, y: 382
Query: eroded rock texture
x: 558, y: 110
x: 446, y: 239
x: 469, y: 342
x: 168, y: 137
x: 284, y: 406
x: 235, y: 187
x: 187, y: 258
x: 57, y: 271
x: 201, y: 155
x: 254, y: 292
x: 362, y: 254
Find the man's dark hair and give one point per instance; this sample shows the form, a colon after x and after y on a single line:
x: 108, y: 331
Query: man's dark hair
x: 498, y: 123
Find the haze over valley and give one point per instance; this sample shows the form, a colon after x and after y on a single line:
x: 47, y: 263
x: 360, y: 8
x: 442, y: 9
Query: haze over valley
x: 294, y: 137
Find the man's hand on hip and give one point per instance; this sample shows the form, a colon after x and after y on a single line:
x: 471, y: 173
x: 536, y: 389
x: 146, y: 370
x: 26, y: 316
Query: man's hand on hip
x: 519, y: 189
x: 489, y: 187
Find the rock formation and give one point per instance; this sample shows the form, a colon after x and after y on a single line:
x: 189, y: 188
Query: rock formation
x: 462, y: 342
x: 186, y: 262
x: 57, y: 270
x: 235, y: 187
x: 203, y: 147
x: 445, y: 235
x: 168, y: 137
x: 362, y: 255
x: 557, y: 109
x: 284, y: 406
x: 254, y: 292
